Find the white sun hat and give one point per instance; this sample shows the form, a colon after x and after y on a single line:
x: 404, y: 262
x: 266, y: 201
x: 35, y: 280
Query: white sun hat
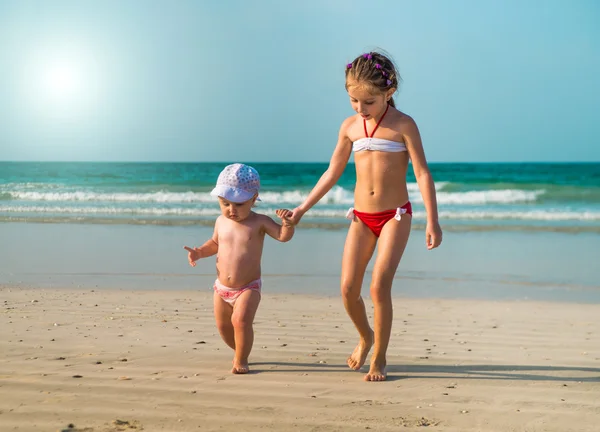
x: 237, y: 183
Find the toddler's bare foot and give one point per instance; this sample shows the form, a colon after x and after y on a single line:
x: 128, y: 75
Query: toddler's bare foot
x: 376, y: 371
x: 359, y: 355
x: 240, y: 367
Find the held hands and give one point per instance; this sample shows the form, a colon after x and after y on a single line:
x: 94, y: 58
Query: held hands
x: 193, y: 255
x: 285, y: 216
x: 295, y: 215
x: 433, y: 235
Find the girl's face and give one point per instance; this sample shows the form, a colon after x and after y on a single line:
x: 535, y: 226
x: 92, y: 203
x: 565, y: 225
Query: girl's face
x: 236, y: 211
x: 367, y: 102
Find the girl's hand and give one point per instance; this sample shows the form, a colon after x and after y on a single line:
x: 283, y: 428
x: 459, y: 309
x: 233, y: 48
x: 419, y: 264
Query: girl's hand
x: 433, y: 235
x: 193, y: 255
x: 284, y: 215
x: 296, y: 215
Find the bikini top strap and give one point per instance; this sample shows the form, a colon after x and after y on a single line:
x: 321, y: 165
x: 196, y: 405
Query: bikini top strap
x: 377, y: 125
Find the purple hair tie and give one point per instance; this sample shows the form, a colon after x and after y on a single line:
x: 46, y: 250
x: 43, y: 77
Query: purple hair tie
x: 349, y: 66
x: 384, y: 73
x: 377, y: 66
x: 389, y: 82
x: 367, y: 56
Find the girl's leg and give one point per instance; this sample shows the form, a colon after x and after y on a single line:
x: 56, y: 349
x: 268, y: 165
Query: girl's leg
x: 223, y: 311
x: 242, y: 320
x: 392, y: 243
x: 358, y: 250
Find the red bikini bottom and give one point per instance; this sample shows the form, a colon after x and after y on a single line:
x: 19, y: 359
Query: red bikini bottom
x: 376, y: 221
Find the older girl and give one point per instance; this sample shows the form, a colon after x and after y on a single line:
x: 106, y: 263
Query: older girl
x: 383, y: 139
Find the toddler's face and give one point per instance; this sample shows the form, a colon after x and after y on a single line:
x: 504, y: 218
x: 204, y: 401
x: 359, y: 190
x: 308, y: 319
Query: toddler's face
x: 236, y: 211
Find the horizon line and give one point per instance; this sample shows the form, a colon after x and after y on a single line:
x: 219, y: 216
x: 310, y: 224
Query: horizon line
x: 294, y: 162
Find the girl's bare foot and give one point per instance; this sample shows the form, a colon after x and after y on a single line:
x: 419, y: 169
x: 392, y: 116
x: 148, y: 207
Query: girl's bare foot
x: 240, y: 367
x: 359, y: 355
x: 376, y: 371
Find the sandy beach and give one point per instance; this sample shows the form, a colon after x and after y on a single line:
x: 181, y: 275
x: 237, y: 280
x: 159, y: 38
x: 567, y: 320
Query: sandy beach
x: 109, y: 329
x: 110, y: 360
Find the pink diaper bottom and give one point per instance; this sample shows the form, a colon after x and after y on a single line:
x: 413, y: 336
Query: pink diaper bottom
x: 230, y: 295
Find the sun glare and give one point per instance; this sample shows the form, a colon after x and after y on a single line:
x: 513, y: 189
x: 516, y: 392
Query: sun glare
x: 60, y: 80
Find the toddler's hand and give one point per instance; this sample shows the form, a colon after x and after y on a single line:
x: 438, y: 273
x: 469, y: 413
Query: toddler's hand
x: 285, y: 216
x: 193, y: 255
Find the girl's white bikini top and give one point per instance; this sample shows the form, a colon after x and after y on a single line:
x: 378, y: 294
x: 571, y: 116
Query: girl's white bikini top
x: 378, y: 144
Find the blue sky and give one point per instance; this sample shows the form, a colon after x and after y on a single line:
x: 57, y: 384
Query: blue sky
x: 263, y: 80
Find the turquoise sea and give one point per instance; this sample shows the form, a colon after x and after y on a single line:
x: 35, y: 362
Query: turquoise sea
x: 522, y: 231
x: 471, y: 196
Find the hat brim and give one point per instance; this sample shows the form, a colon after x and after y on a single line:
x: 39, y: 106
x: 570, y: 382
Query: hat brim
x: 234, y: 195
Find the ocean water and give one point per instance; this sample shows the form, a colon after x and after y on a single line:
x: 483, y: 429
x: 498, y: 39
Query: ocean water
x: 471, y: 196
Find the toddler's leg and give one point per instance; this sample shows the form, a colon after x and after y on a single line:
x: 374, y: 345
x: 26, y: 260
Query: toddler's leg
x: 223, y: 312
x: 242, y: 320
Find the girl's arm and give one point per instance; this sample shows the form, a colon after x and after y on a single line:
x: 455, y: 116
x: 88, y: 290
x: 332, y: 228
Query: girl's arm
x: 337, y: 164
x: 412, y: 138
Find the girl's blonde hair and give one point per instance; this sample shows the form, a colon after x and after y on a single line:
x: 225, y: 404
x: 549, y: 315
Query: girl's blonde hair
x: 376, y: 70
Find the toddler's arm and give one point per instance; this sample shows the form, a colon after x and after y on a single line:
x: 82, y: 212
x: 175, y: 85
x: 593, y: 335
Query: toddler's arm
x: 284, y: 232
x: 209, y: 248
